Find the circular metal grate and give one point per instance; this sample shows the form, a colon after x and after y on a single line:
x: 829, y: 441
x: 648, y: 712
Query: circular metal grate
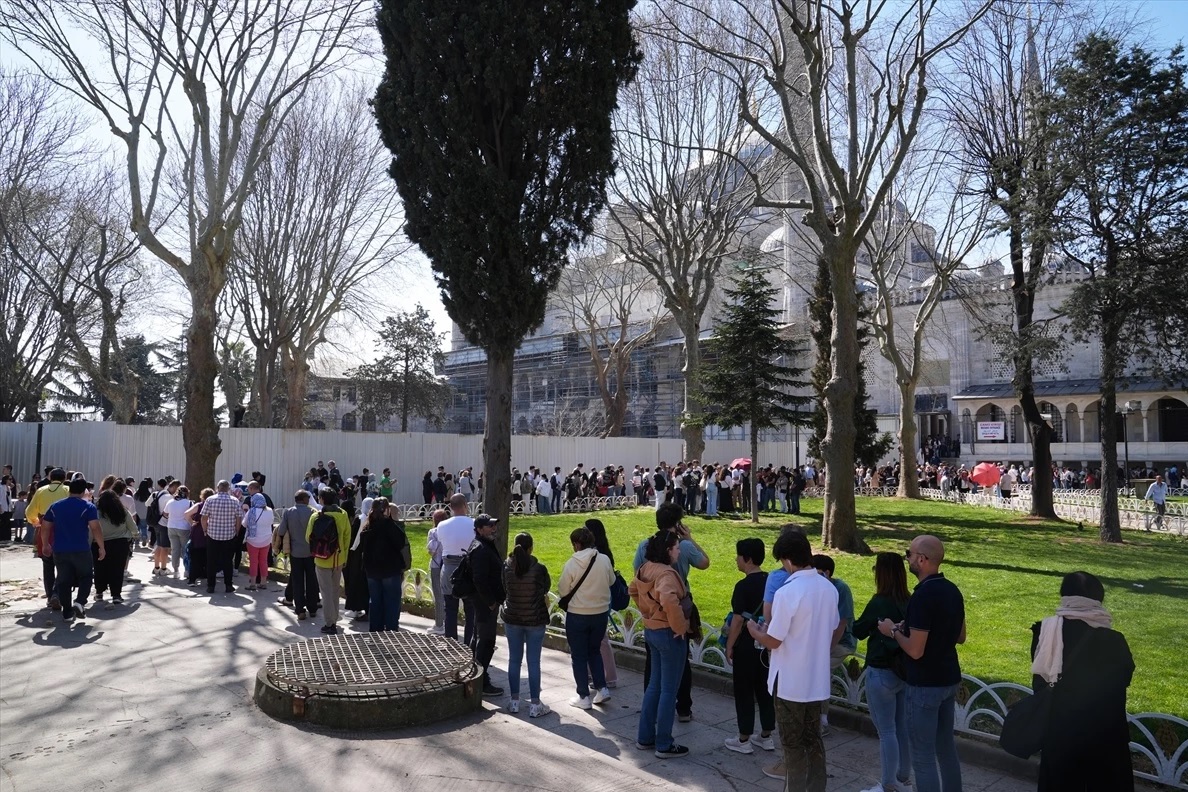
x: 370, y: 665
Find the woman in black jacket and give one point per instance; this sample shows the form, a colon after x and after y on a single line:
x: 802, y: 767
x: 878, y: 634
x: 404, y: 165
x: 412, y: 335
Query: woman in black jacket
x: 525, y: 616
x: 1087, y: 742
x: 386, y: 555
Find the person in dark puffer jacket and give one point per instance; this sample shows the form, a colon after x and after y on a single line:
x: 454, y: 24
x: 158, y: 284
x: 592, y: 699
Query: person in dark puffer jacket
x: 525, y: 616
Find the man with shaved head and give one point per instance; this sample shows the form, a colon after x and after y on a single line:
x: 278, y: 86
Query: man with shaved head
x: 929, y: 635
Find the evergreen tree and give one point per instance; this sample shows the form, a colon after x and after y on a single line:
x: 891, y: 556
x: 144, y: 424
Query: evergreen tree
x: 869, y: 445
x: 743, y: 383
x: 404, y: 380
x: 498, y: 117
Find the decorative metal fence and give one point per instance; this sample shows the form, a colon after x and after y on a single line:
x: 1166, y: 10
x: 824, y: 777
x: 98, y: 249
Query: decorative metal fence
x: 1159, y: 742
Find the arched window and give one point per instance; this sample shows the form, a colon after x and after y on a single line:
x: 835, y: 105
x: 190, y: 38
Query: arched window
x: 1054, y: 417
x: 348, y: 422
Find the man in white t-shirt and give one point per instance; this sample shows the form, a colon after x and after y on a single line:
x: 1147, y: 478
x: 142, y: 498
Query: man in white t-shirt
x: 804, y: 627
x: 455, y: 535
x: 544, y: 495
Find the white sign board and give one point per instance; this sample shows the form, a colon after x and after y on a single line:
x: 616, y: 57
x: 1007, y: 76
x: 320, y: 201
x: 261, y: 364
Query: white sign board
x: 991, y: 430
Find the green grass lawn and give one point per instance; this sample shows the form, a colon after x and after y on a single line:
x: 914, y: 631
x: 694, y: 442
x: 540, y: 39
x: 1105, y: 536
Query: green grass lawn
x: 1007, y: 566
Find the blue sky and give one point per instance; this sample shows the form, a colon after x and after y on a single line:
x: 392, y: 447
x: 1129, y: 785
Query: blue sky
x: 1169, y: 20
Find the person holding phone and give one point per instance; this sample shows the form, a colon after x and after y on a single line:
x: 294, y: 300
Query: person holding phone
x: 750, y: 676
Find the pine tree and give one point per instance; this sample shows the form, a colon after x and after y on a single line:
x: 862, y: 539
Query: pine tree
x: 743, y: 382
x: 498, y: 117
x: 869, y: 445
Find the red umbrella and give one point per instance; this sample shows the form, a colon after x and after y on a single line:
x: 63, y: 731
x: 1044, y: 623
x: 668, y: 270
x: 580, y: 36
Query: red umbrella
x: 742, y: 462
x: 986, y: 473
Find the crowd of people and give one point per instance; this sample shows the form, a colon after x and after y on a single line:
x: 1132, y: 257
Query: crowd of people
x: 788, y: 630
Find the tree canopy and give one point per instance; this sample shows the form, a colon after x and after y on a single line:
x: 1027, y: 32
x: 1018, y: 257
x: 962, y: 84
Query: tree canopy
x: 404, y: 380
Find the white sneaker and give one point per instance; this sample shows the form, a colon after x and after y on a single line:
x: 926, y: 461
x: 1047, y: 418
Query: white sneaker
x: 538, y: 710
x: 825, y: 730
x: 738, y: 746
x: 602, y: 696
x: 436, y: 631
x: 876, y: 788
x: 513, y: 706
x: 766, y: 743
x: 581, y: 702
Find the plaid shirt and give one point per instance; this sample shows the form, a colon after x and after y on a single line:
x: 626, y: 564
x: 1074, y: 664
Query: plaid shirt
x: 223, y: 514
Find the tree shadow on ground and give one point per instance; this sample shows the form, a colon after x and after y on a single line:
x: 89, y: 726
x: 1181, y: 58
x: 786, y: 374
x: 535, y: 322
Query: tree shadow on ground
x: 1160, y: 586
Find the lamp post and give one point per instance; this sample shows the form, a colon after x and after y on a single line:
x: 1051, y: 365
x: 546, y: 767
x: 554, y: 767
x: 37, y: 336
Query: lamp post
x: 1127, y: 409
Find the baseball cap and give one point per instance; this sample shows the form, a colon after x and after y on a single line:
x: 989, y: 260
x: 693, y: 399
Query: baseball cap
x: 483, y: 520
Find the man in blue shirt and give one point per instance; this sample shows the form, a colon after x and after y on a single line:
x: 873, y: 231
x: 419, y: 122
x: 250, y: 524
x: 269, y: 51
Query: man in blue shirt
x: 668, y: 518
x: 69, y: 527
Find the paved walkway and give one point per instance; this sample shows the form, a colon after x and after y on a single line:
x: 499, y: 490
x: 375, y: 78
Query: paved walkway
x: 157, y: 695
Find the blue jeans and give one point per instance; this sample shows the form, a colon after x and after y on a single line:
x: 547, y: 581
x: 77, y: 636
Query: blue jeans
x: 543, y: 504
x: 886, y: 694
x: 659, y: 699
x: 711, y: 501
x: 383, y: 610
x: 517, y: 638
x: 930, y: 724
x: 794, y: 501
x: 584, y: 633
x: 73, y: 570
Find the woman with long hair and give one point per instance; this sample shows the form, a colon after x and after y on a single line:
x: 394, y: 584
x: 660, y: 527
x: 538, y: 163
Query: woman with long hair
x: 198, y: 559
x: 664, y: 606
x: 257, y: 523
x: 525, y: 616
x: 179, y: 526
x: 610, y: 670
x: 386, y: 555
x: 886, y: 688
x: 143, y: 493
x: 119, y: 529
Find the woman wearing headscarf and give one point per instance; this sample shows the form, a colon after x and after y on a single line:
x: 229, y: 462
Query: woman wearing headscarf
x: 257, y: 524
x: 1087, y: 743
x: 354, y: 576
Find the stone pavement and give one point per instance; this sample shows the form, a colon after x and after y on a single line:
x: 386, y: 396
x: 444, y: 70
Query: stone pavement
x: 157, y: 695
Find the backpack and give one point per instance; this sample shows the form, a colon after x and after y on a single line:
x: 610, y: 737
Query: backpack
x: 153, y: 516
x: 462, y: 581
x: 323, y: 537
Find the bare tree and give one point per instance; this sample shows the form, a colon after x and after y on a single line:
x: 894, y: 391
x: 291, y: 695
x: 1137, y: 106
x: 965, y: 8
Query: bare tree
x: 197, y: 87
x: 912, y: 264
x: 851, y: 82
x: 37, y: 145
x: 322, y: 222
x: 614, y: 314
x: 1006, y: 68
x: 680, y: 208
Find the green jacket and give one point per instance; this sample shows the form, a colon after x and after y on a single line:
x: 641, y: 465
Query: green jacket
x: 344, y: 537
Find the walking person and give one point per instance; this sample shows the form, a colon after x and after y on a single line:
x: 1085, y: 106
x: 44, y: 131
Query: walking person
x: 585, y: 585
x: 329, y: 537
x: 886, y: 689
x: 386, y: 554
x: 749, y: 676
x: 1157, y: 494
x: 140, y: 498
x: 664, y: 605
x: 1086, y: 744
x: 804, y: 627
x: 43, y: 498
x: 70, y: 526
x: 302, y: 575
x: 525, y: 615
x: 118, y: 529
x: 929, y: 634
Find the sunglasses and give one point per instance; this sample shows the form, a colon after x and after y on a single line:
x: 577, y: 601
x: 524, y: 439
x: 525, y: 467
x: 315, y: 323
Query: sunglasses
x: 908, y: 555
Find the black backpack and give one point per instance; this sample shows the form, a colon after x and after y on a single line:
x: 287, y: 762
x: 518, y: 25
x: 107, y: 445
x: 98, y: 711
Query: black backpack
x: 462, y: 581
x: 323, y: 537
x: 153, y: 516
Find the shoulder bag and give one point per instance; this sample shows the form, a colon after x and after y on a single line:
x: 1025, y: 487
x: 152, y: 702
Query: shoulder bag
x: 1026, y: 724
x: 563, y: 602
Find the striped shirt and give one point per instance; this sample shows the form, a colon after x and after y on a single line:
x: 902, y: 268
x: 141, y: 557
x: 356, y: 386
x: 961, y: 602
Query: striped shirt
x: 223, y: 513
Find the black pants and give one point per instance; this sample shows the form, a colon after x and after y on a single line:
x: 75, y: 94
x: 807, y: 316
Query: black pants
x: 218, y: 559
x: 750, y: 688
x: 304, y: 582
x: 109, y: 573
x: 451, y: 618
x: 198, y: 562
x: 237, y: 550
x: 49, y: 576
x: 482, y: 639
x: 74, y: 570
x: 684, y: 700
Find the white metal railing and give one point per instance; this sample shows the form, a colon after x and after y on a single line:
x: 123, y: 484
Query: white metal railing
x: 1159, y: 744
x: 422, y: 511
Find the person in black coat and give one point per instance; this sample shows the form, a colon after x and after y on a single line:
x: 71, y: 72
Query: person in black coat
x: 486, y: 569
x: 386, y: 554
x: 1087, y: 743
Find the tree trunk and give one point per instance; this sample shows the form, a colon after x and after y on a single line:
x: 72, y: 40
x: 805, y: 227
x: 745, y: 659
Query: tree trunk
x: 909, y: 484
x: 297, y: 383
x: 691, y: 430
x: 839, y: 527
x: 1111, y: 528
x: 200, y: 430
x: 404, y: 400
x: 616, y: 401
x: 751, y: 473
x: 497, y: 442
